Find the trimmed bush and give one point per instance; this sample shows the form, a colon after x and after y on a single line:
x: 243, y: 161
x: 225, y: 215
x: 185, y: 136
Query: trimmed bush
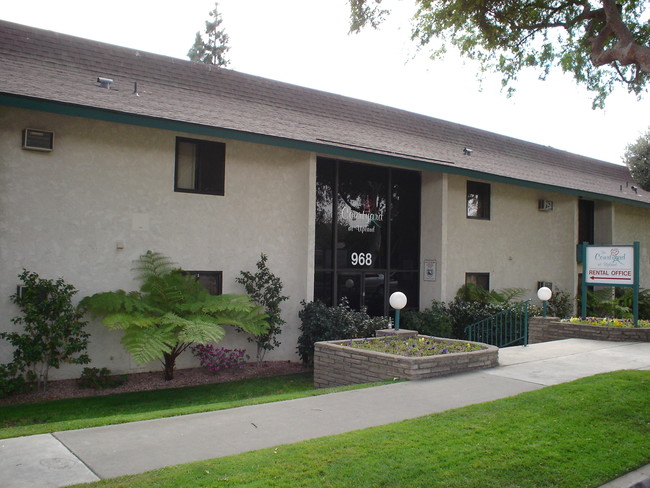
x: 433, y: 321
x: 323, y: 323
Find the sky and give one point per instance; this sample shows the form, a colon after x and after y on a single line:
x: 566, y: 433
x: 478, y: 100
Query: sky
x: 306, y: 42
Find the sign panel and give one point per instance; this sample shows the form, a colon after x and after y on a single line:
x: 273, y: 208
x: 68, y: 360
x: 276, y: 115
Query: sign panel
x: 609, y: 265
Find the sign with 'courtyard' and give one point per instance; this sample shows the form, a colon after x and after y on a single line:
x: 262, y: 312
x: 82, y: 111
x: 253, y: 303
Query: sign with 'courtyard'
x: 609, y: 265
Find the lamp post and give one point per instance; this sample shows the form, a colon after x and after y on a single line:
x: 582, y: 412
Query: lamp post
x: 398, y: 301
x: 544, y: 294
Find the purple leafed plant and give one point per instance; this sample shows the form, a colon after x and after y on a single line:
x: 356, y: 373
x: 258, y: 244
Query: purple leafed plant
x: 215, y: 359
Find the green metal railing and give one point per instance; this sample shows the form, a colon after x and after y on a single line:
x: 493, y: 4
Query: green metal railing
x: 507, y: 328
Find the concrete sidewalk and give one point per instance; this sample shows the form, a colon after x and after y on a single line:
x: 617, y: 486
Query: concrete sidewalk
x: 85, y: 455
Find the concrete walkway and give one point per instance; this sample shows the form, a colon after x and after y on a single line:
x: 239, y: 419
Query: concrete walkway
x: 64, y: 458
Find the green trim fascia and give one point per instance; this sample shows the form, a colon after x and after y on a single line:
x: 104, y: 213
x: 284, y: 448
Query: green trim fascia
x: 324, y: 149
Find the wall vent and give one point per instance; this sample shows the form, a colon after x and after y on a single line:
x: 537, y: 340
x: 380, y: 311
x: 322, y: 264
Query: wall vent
x: 38, y: 140
x: 545, y: 205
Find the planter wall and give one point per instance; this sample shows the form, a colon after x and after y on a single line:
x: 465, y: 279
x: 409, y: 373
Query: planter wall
x: 544, y: 329
x: 338, y: 365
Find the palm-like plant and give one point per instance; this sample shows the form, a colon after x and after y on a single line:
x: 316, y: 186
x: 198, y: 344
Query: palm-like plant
x: 171, y: 312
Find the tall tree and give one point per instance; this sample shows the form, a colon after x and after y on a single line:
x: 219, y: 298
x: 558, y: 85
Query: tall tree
x: 637, y: 159
x: 212, y: 46
x: 602, y: 43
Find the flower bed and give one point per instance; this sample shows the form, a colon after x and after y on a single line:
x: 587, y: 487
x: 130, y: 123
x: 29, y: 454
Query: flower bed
x: 542, y: 329
x: 606, y: 322
x: 336, y: 363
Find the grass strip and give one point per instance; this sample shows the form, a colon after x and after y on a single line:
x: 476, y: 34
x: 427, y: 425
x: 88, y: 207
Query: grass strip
x: 78, y: 413
x: 579, y: 435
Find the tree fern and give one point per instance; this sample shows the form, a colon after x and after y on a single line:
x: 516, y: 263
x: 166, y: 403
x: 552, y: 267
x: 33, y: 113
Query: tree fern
x: 146, y: 345
x: 170, y: 312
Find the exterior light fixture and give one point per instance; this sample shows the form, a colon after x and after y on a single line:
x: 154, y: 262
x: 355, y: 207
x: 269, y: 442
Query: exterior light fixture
x: 544, y: 294
x: 398, y: 301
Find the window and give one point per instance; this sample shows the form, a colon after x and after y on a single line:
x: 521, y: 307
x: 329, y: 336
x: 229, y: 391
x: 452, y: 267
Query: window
x: 481, y: 280
x: 211, y: 280
x: 367, y: 235
x: 478, y: 200
x: 586, y: 221
x: 200, y: 166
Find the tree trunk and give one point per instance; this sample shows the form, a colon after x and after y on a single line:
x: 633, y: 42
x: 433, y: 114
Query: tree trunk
x: 170, y: 363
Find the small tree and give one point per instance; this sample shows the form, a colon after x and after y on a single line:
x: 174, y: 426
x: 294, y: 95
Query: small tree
x: 637, y: 159
x: 53, y: 328
x: 266, y: 290
x: 212, y: 51
x: 171, y: 312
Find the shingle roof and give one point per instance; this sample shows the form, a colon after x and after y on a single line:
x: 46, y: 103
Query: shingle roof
x: 45, y: 65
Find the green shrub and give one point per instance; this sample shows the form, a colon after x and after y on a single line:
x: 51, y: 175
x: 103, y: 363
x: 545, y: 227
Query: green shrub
x: 100, y: 379
x: 11, y: 381
x: 433, y: 321
x: 323, y: 323
x: 462, y: 313
x: 560, y: 305
x: 52, y: 328
x: 616, y: 303
x: 265, y: 289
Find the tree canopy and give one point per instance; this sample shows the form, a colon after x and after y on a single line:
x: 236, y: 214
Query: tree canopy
x: 212, y: 49
x: 637, y: 159
x: 603, y: 44
x: 171, y: 312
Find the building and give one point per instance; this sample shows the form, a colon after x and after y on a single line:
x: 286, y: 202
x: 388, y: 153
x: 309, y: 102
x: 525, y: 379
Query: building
x: 106, y: 152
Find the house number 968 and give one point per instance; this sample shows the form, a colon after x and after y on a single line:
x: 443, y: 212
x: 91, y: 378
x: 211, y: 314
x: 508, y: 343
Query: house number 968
x: 361, y: 259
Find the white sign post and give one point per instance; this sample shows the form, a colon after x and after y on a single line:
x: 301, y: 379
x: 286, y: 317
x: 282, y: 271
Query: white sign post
x: 611, y: 266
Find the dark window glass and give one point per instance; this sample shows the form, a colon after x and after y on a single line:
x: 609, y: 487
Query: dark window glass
x: 478, y: 200
x: 323, y: 287
x: 585, y: 221
x: 478, y: 279
x: 362, y: 216
x: 325, y: 213
x: 211, y: 280
x: 200, y: 166
x: 405, y: 220
x: 350, y: 287
x: 367, y: 228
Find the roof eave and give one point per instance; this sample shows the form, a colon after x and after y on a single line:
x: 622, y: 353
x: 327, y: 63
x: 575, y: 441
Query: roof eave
x: 95, y: 113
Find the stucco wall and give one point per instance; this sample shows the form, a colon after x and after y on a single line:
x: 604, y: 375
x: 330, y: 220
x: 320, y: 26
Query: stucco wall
x: 433, y: 235
x: 633, y: 224
x: 62, y: 214
x: 519, y: 246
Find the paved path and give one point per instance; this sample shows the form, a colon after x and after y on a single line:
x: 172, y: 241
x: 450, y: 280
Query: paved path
x: 63, y: 458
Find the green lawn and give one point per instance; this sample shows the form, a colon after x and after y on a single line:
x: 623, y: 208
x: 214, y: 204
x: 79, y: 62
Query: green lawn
x: 77, y: 413
x: 574, y: 435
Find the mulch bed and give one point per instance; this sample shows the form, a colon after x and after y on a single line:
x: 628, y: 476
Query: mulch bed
x: 61, y: 389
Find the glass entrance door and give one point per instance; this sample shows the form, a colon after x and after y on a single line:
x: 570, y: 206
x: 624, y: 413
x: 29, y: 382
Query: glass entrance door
x: 367, y: 234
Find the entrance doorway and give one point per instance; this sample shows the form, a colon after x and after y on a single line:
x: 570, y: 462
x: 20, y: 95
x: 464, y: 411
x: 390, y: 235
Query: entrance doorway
x: 367, y: 234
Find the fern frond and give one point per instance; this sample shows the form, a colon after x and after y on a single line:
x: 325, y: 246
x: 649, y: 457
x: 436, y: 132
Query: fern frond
x: 507, y: 295
x: 201, y: 332
x: 152, y: 264
x: 148, y: 344
x: 252, y: 322
x: 114, y: 302
x: 128, y: 320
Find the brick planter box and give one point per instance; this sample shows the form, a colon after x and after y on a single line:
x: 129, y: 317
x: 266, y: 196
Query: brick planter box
x: 542, y: 329
x: 338, y: 365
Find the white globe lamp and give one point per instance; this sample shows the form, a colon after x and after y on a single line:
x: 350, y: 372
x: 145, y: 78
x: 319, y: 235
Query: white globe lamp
x: 544, y: 294
x: 398, y: 301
